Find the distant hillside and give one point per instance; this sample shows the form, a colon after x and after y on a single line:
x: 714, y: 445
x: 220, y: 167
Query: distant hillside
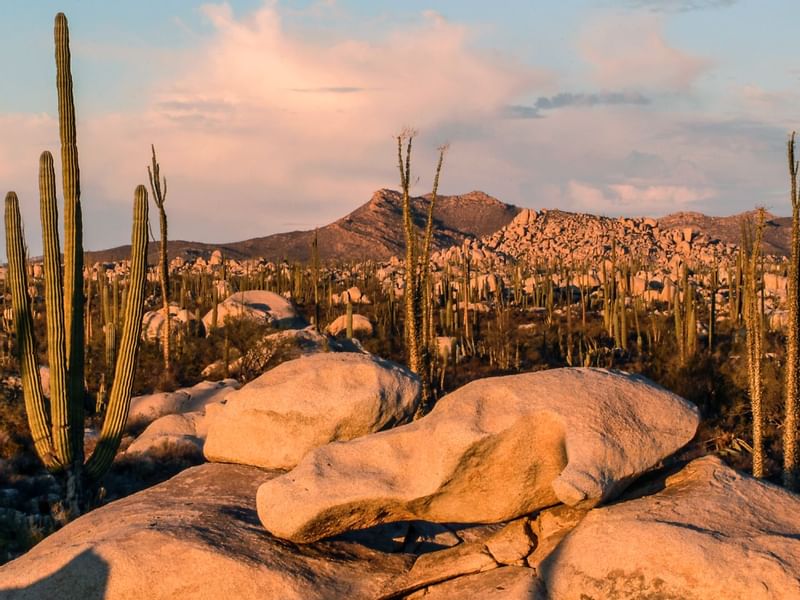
x: 374, y: 230
x: 777, y: 233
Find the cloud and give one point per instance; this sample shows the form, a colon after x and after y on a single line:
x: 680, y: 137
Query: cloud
x: 636, y: 200
x: 632, y: 52
x: 678, y: 6
x: 262, y: 126
x: 566, y: 99
x: 518, y: 111
x: 330, y: 90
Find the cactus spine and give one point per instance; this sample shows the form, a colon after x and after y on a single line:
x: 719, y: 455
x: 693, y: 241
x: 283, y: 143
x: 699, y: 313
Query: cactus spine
x: 73, y: 229
x: 38, y: 420
x: 349, y: 318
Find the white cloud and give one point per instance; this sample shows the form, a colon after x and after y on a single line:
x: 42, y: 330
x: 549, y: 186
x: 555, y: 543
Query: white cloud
x: 263, y: 127
x: 631, y: 51
x: 632, y: 199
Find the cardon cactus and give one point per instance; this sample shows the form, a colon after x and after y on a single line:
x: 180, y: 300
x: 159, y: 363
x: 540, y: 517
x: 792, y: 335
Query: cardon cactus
x: 57, y: 426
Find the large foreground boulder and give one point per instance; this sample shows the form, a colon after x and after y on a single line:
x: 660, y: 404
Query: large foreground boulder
x: 195, y: 536
x: 258, y: 305
x: 711, y: 533
x: 276, y: 419
x: 491, y: 451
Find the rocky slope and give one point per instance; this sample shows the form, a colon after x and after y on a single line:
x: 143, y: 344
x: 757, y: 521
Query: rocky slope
x: 777, y: 232
x: 552, y: 237
x: 374, y: 230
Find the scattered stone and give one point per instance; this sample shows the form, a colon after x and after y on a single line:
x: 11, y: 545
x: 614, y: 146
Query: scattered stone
x: 513, y: 543
x: 153, y: 322
x: 506, y: 583
x: 550, y: 527
x: 258, y: 305
x: 179, y: 431
x: 148, y: 408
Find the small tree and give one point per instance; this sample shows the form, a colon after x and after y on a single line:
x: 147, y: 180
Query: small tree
x: 417, y: 273
x: 791, y: 477
x: 159, y: 197
x: 754, y: 324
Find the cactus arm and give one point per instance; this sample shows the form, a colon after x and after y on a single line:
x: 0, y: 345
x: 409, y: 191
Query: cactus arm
x: 26, y: 344
x: 119, y: 400
x: 73, y: 235
x: 54, y: 301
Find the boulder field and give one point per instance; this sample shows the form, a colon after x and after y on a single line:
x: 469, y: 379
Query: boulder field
x: 555, y: 485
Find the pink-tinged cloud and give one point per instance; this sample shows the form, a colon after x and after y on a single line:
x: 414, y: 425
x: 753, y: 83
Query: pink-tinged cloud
x: 632, y: 199
x: 631, y: 51
x: 264, y: 128
x: 260, y: 126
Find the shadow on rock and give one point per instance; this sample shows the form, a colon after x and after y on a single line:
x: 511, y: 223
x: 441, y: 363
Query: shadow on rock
x: 85, y: 577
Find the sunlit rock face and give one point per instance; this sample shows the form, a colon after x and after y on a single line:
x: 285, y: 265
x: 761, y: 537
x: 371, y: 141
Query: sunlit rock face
x: 258, y: 305
x: 711, y: 533
x: 362, y: 327
x: 194, y: 536
x: 704, y: 532
x: 276, y: 419
x: 493, y: 450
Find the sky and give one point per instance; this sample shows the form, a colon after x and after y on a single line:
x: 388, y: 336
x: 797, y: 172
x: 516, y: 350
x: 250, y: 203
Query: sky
x: 272, y: 116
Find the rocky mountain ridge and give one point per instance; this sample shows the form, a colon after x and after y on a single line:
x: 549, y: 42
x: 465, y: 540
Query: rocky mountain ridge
x: 374, y: 231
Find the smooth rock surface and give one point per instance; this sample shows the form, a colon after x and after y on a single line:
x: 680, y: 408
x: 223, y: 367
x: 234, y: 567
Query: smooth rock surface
x: 179, y: 430
x: 195, y: 536
x: 276, y: 419
x: 148, y: 408
x: 494, y: 450
x: 259, y: 305
x: 505, y: 583
x: 361, y: 326
x: 712, y: 533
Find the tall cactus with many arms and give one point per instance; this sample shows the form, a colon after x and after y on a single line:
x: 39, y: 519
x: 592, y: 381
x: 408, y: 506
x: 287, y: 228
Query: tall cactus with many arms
x: 58, y: 432
x: 53, y: 436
